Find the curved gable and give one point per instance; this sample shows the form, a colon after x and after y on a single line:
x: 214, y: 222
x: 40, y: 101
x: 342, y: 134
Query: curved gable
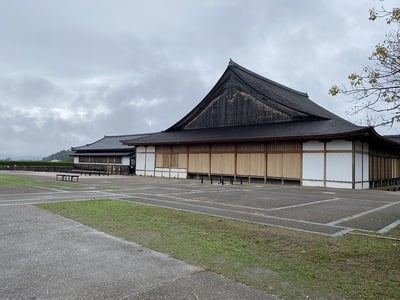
x: 241, y: 97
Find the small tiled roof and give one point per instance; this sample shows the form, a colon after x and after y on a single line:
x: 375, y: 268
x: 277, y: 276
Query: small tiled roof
x: 103, y: 153
x: 110, y: 143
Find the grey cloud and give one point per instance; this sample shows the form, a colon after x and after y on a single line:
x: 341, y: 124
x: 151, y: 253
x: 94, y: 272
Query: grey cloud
x: 76, y: 70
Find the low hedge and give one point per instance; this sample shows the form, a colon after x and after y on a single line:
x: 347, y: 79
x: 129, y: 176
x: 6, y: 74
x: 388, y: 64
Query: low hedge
x: 35, y: 163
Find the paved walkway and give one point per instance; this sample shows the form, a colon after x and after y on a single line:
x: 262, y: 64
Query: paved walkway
x: 44, y: 256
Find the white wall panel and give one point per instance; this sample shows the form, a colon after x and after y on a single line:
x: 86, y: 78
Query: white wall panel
x: 313, y: 146
x: 161, y: 172
x: 358, y: 167
x: 364, y: 185
x: 140, y: 149
x: 170, y: 173
x: 313, y: 166
x: 339, y: 185
x: 366, y: 167
x: 140, y: 160
x: 145, y: 160
x: 150, y: 161
x: 315, y: 183
x: 178, y: 173
x: 126, y: 160
x: 339, y: 145
x: 339, y: 166
x: 151, y: 149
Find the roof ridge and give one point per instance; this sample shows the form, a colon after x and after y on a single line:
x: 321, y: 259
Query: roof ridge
x: 118, y: 135
x: 233, y: 64
x: 89, y: 144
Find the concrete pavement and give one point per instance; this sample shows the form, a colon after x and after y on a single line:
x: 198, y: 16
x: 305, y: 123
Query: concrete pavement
x: 44, y: 256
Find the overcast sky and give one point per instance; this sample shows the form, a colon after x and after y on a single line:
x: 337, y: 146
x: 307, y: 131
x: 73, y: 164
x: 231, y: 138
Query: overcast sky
x: 74, y: 71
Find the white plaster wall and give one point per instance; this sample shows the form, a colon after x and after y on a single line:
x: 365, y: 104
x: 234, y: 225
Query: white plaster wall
x: 178, y: 173
x: 339, y: 164
x: 366, y: 167
x: 161, y: 172
x: 140, y: 161
x: 313, y: 146
x: 150, y: 161
x: 339, y: 145
x: 313, y: 166
x: 339, y: 185
x: 140, y: 149
x: 145, y: 160
x: 151, y: 149
x: 76, y: 159
x: 364, y: 185
x: 315, y: 183
x: 170, y: 173
x: 362, y: 171
x: 361, y: 165
x: 358, y: 166
x: 339, y: 167
x: 126, y: 160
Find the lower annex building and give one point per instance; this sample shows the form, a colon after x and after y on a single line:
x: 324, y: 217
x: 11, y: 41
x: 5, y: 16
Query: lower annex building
x: 107, y: 155
x: 252, y: 128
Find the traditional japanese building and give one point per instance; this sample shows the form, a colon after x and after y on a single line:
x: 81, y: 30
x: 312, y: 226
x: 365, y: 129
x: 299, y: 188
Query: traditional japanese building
x: 249, y: 127
x: 108, y: 155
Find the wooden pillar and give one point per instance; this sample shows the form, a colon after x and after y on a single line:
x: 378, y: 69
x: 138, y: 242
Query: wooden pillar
x: 324, y: 179
x: 209, y: 161
x: 353, y: 165
x: 235, y: 162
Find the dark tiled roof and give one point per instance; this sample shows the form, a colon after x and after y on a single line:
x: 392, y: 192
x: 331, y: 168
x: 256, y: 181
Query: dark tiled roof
x: 279, y: 93
x: 293, y: 104
x: 395, y: 138
x: 306, y: 119
x: 104, y: 153
x: 300, y: 130
x: 109, y: 143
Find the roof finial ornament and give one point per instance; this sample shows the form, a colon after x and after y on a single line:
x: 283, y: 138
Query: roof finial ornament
x: 231, y: 62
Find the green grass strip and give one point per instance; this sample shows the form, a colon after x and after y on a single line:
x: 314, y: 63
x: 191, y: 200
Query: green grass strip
x: 285, y: 262
x: 13, y: 180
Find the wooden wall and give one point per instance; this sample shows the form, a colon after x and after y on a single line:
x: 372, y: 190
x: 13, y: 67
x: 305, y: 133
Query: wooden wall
x: 259, y: 160
x: 384, y: 169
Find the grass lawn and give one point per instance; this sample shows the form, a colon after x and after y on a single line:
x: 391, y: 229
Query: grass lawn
x: 12, y: 180
x: 284, y: 262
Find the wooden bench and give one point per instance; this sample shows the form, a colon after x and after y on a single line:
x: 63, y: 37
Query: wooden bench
x: 67, y: 177
x: 90, y: 172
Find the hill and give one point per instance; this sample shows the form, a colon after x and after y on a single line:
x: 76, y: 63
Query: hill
x: 62, y: 155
